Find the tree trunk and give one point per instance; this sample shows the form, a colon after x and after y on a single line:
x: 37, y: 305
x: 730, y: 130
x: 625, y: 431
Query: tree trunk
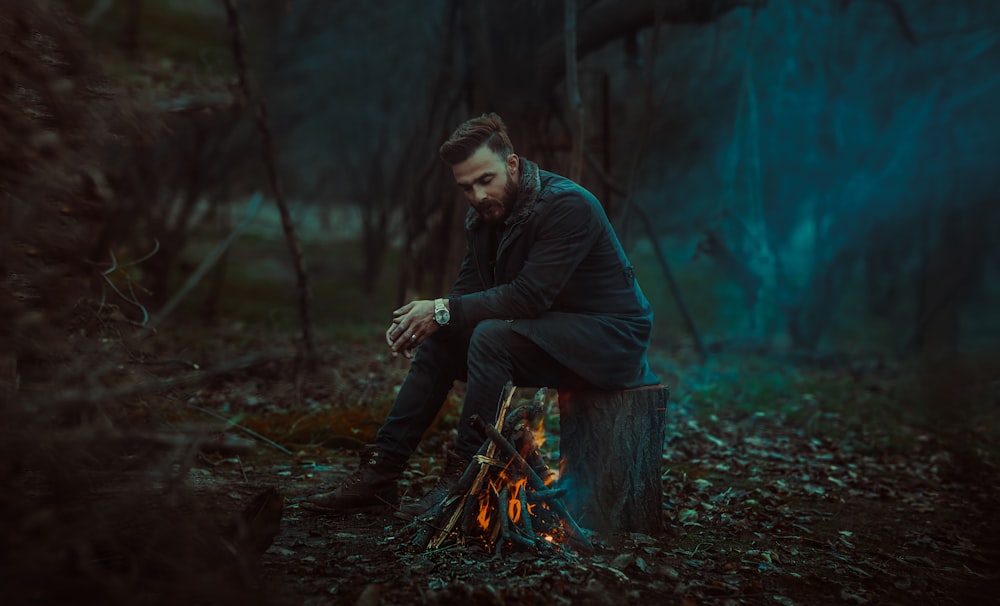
x: 611, y: 450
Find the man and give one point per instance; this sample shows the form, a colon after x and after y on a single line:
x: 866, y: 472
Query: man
x: 545, y: 297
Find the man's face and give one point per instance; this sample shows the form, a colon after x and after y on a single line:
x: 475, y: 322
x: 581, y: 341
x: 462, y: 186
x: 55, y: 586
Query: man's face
x: 489, y: 182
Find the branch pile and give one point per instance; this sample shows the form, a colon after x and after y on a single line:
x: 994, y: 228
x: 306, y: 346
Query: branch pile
x: 506, y: 497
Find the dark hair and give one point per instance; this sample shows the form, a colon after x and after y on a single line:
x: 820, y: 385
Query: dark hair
x: 487, y: 129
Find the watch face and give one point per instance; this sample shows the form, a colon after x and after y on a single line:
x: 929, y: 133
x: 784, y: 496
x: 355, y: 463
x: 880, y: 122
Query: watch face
x: 442, y: 316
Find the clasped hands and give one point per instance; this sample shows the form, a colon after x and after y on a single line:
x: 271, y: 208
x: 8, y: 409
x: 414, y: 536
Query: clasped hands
x: 411, y: 324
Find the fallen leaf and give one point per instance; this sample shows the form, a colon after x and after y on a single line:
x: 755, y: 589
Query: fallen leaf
x: 687, y: 516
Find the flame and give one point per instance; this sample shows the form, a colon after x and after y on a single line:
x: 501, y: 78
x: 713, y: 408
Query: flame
x: 514, y: 504
x: 514, y: 510
x: 540, y: 435
x: 484, y: 511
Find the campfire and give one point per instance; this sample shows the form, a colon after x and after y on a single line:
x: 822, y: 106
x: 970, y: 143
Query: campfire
x: 507, y: 499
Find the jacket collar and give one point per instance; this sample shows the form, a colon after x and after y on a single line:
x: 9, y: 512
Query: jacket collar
x: 527, y: 195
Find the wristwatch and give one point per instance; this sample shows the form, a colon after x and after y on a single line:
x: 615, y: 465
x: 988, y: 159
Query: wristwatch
x: 441, y: 314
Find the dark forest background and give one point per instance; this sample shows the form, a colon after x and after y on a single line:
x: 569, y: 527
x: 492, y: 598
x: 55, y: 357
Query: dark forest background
x: 804, y: 186
x: 818, y: 177
x: 819, y: 173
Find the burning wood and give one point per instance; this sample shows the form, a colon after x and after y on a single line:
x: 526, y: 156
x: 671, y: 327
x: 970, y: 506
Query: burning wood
x: 504, y: 499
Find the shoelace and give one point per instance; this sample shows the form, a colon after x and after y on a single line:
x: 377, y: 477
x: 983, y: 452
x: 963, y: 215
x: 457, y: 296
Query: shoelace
x: 352, y: 479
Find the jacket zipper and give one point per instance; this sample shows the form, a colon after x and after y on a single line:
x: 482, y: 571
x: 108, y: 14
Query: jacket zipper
x: 475, y: 259
x: 503, y: 240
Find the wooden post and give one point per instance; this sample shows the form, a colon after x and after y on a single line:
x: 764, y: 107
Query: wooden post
x: 611, y: 450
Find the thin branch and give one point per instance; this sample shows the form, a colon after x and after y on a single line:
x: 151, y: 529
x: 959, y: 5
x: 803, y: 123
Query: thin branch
x: 147, y: 256
x: 133, y: 299
x: 106, y: 275
x: 606, y: 179
x: 287, y: 224
x: 114, y: 264
x: 245, y: 430
x: 206, y: 264
x: 672, y: 283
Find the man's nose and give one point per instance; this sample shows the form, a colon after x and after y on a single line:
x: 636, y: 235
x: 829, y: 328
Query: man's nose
x: 479, y: 193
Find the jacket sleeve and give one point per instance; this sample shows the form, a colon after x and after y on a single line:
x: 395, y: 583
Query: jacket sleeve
x: 565, y: 233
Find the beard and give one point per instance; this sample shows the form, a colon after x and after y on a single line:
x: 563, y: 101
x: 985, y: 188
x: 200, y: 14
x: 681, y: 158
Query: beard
x: 495, y: 210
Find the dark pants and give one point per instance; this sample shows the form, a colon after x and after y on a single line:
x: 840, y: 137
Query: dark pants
x: 487, y: 359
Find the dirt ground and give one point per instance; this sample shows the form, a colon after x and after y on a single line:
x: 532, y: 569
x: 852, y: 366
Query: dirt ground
x: 755, y: 513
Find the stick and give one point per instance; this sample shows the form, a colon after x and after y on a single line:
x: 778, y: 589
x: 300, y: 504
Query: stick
x: 464, y: 487
x: 206, y: 264
x: 538, y: 496
x: 576, y: 534
x: 505, y: 397
x: 246, y: 430
x: 672, y: 283
x: 502, y: 528
x: 528, y: 412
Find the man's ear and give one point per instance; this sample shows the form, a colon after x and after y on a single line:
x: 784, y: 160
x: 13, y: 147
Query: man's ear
x: 513, y: 163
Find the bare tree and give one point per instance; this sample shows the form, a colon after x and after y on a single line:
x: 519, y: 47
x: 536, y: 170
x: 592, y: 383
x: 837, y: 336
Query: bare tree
x: 264, y: 129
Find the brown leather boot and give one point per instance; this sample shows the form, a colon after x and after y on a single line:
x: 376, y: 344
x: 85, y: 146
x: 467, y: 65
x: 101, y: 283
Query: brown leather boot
x: 373, y: 488
x: 454, y: 467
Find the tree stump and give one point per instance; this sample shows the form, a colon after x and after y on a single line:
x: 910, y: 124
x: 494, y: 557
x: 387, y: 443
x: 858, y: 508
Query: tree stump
x: 611, y: 450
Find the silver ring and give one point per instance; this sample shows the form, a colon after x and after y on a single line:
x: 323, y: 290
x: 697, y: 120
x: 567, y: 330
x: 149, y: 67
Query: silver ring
x: 412, y: 337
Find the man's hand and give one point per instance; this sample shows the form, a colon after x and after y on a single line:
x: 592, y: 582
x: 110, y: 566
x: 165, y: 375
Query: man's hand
x: 411, y: 324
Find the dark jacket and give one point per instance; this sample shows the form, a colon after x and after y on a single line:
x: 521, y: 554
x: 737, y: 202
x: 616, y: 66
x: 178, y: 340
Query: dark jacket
x: 562, y: 276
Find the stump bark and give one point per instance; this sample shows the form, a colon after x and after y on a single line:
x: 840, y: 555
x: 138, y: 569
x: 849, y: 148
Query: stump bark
x: 611, y: 449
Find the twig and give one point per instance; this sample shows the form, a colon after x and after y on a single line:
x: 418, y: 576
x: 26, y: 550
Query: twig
x: 246, y: 430
x: 129, y: 299
x: 672, y: 283
x: 203, y: 268
x: 133, y: 299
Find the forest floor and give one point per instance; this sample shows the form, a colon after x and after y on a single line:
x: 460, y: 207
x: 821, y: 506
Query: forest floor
x: 756, y: 513
x: 779, y: 505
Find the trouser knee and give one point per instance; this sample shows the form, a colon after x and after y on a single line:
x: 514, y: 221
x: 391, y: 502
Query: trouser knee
x: 490, y: 339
